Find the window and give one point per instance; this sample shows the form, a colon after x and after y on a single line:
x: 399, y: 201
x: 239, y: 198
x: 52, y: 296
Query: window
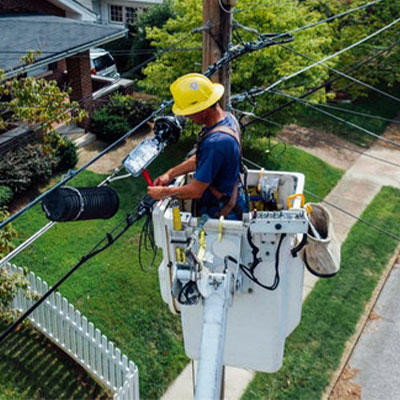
x: 130, y: 15
x: 116, y: 13
x: 123, y: 15
x: 103, y: 62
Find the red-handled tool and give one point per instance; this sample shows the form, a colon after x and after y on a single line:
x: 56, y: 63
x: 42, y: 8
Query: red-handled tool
x: 146, y: 176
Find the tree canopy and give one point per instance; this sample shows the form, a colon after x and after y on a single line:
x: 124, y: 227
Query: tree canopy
x: 264, y: 67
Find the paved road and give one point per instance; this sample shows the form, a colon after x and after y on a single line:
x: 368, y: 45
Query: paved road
x: 376, y: 355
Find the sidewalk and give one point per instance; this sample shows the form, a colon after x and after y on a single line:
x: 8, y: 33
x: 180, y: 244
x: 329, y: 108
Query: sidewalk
x: 359, y: 185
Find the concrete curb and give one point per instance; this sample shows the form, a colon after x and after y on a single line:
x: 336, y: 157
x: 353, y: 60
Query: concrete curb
x: 352, y: 342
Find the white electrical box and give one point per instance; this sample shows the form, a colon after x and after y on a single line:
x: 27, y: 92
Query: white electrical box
x: 258, y: 320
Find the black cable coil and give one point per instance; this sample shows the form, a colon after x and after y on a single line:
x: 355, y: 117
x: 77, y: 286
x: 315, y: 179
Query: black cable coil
x: 78, y: 204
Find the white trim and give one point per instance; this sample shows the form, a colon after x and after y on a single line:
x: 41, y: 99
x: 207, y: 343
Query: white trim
x: 75, y: 7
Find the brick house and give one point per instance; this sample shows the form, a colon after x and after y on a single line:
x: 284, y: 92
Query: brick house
x: 63, y: 31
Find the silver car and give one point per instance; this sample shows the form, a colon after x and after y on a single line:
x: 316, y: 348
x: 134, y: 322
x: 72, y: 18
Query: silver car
x: 102, y: 63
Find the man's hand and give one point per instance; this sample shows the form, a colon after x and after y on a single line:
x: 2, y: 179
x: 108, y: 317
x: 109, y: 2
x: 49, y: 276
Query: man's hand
x: 158, y: 192
x: 162, y: 180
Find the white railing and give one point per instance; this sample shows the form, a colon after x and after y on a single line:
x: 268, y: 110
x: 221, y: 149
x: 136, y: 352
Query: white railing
x: 70, y: 331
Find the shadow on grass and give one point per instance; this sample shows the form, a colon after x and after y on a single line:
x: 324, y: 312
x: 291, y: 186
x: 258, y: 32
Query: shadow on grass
x: 32, y: 367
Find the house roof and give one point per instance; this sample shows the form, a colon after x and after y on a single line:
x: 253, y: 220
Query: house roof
x: 55, y: 37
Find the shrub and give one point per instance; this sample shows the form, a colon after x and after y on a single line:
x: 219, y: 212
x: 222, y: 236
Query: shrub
x: 108, y: 127
x: 66, y: 155
x: 121, y: 114
x: 6, y: 195
x: 26, y: 166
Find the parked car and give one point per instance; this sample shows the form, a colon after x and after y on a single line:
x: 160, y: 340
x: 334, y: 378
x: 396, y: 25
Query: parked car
x: 102, y: 63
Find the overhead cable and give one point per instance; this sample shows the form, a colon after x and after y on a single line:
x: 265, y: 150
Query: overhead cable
x: 333, y: 17
x: 320, y: 22
x: 231, y: 54
x: 316, y: 136
x: 71, y: 174
x: 109, y: 239
x: 293, y: 75
x: 360, y: 128
x: 375, y: 227
x: 367, y: 85
x: 361, y: 114
x: 328, y: 82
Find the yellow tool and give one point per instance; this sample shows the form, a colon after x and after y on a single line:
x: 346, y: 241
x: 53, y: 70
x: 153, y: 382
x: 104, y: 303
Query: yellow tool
x: 176, y: 215
x: 180, y: 255
x: 260, y: 175
x: 293, y: 197
x: 220, y: 227
x: 202, y: 245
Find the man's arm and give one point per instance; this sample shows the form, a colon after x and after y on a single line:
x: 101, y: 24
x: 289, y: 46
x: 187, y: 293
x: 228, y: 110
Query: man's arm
x: 193, y: 190
x: 188, y: 165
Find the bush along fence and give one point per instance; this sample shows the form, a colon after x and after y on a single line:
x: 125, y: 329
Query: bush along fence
x: 60, y: 322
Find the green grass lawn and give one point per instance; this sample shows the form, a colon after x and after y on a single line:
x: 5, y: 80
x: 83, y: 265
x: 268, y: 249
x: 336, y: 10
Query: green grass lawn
x: 31, y: 367
x: 374, y: 104
x: 332, y: 310
x: 123, y: 302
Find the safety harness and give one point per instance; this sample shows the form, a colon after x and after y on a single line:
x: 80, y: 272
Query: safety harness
x: 229, y: 201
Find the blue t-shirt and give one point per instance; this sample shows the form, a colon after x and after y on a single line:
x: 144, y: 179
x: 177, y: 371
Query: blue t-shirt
x: 218, y: 160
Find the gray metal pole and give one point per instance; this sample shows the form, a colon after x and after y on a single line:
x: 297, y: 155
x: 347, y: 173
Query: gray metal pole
x: 209, y: 371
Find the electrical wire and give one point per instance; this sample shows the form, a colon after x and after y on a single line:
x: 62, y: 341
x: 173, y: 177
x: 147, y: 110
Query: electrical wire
x: 355, y: 80
x: 340, y: 15
x: 360, y: 128
x: 325, y: 20
x: 146, y: 239
x: 375, y: 227
x: 329, y: 82
x: 230, y: 55
x: 225, y: 9
x: 316, y: 136
x: 72, y: 174
x: 250, y: 271
x: 361, y: 114
x: 109, y: 239
x: 325, y: 59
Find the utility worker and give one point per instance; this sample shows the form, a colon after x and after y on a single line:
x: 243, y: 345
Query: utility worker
x: 217, y: 160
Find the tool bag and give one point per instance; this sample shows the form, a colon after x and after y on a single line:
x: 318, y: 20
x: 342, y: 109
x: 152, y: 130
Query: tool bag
x: 321, y: 256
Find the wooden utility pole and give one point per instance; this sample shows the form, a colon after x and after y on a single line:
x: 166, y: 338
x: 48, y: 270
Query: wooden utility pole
x: 216, y: 38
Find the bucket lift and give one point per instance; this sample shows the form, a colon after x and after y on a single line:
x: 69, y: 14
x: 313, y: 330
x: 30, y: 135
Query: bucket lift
x: 236, y: 284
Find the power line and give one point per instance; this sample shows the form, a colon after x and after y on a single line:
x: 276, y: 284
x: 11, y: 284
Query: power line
x: 238, y: 51
x: 361, y: 114
x: 308, y: 104
x: 316, y: 136
x: 375, y: 227
x: 291, y: 76
x: 367, y: 85
x: 323, y: 21
x: 329, y: 82
x: 128, y: 221
x: 341, y: 15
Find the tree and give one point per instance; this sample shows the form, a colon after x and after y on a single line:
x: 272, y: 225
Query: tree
x: 263, y: 67
x: 255, y: 69
x: 36, y: 101
x: 10, y: 284
x: 42, y: 105
x: 354, y: 27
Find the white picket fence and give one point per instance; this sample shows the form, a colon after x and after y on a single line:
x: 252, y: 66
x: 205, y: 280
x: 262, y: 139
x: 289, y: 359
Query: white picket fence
x: 69, y: 330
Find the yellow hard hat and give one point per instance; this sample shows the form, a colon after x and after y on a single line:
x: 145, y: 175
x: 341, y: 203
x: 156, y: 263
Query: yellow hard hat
x: 193, y: 93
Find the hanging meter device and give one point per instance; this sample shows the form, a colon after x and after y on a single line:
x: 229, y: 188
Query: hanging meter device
x: 236, y: 284
x: 167, y: 130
